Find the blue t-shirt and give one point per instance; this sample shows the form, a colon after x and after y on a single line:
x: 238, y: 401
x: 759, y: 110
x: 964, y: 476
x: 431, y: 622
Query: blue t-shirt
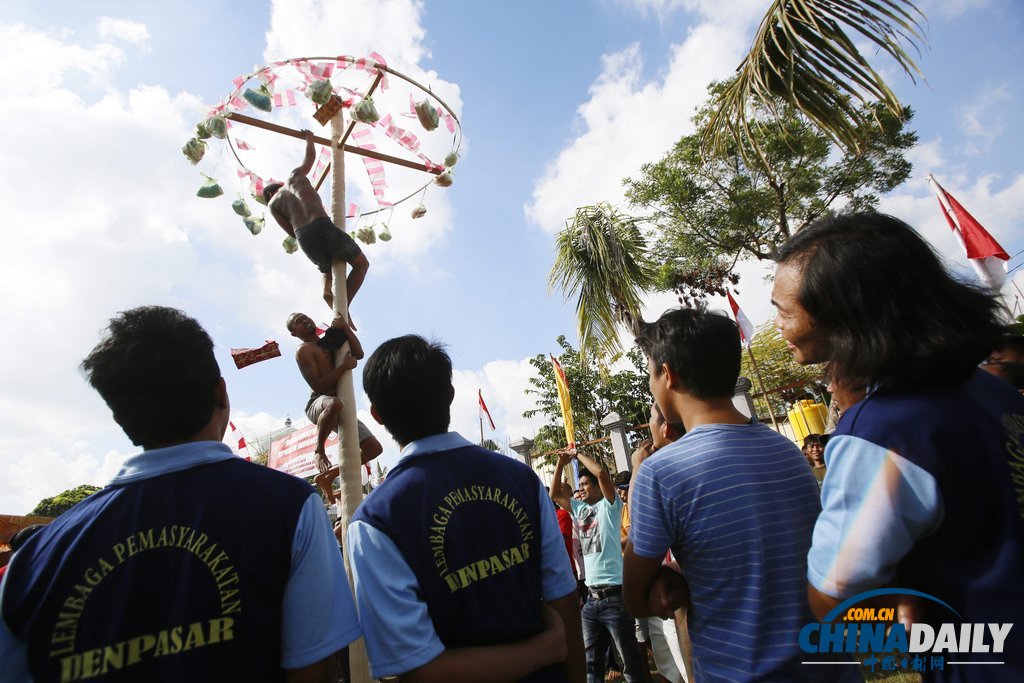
x: 600, y: 527
x: 736, y: 505
x: 181, y: 578
x: 455, y: 485
x: 925, y: 490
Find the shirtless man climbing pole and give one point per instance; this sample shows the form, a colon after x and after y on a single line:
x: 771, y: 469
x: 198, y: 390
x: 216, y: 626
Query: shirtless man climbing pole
x: 296, y: 203
x: 315, y: 358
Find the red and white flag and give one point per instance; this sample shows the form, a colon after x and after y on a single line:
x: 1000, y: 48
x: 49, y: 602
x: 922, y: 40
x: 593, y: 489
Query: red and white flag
x: 241, y: 441
x: 483, y: 407
x: 985, y: 254
x: 746, y: 329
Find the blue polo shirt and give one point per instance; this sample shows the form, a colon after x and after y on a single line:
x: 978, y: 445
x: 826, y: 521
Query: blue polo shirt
x: 189, y: 559
x: 419, y: 544
x: 736, y: 504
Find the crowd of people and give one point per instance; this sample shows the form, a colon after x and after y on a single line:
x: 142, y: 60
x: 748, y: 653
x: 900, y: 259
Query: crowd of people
x: 464, y: 565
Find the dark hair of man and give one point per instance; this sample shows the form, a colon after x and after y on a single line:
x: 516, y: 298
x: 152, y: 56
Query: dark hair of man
x: 270, y: 190
x: 701, y: 347
x: 156, y: 371
x: 587, y: 474
x: 893, y: 317
x: 409, y: 382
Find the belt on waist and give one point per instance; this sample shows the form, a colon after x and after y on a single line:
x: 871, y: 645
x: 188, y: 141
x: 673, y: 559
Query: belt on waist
x: 602, y: 592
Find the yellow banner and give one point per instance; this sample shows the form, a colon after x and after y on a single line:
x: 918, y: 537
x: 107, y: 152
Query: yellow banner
x: 563, y: 398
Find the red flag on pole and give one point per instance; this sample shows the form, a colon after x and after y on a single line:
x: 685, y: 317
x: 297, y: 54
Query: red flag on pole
x: 985, y: 254
x: 483, y: 406
x: 241, y: 440
x: 746, y: 329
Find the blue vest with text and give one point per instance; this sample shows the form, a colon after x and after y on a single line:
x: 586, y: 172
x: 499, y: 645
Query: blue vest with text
x: 171, y: 578
x: 970, y: 438
x: 467, y: 522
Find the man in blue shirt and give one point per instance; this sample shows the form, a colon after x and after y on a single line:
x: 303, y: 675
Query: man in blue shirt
x: 163, y: 575
x: 459, y: 566
x: 736, y: 504
x: 924, y: 489
x: 599, y: 515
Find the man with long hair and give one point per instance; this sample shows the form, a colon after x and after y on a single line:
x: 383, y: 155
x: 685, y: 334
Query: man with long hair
x: 924, y: 489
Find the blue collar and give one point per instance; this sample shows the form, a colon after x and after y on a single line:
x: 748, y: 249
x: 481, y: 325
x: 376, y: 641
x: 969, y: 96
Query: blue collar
x: 433, y: 444
x: 159, y: 461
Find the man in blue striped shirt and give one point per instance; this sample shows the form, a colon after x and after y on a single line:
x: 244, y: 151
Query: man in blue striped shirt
x: 735, y: 503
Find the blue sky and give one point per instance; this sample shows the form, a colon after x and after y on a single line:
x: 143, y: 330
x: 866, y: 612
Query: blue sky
x: 558, y: 102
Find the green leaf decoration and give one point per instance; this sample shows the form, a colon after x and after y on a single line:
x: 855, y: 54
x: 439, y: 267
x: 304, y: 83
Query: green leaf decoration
x: 255, y: 226
x: 259, y: 98
x: 217, y: 126
x: 320, y: 91
x: 241, y: 208
x: 209, y: 189
x: 194, y: 150
x: 364, y: 111
x: 427, y: 114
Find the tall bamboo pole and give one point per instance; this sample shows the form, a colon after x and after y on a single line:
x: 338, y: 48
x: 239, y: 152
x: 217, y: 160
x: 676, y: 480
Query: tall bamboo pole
x: 348, y: 449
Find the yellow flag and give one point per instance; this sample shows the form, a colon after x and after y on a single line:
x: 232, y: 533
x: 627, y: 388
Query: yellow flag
x: 563, y: 398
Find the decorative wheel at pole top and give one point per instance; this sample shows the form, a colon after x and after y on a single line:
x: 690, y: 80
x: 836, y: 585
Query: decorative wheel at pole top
x: 360, y: 87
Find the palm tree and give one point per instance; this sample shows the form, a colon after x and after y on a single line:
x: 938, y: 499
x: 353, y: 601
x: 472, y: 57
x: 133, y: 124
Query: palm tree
x: 802, y: 54
x: 601, y: 256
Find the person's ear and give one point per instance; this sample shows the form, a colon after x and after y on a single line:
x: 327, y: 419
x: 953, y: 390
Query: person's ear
x: 375, y: 414
x: 451, y: 393
x: 220, y: 395
x: 669, y: 376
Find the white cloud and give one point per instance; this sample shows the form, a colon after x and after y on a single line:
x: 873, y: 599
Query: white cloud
x: 126, y: 30
x: 982, y: 120
x: 628, y: 122
x: 948, y: 9
x: 36, y: 62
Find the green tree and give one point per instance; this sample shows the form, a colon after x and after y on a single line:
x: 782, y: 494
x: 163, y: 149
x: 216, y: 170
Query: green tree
x: 710, y: 212
x: 62, y: 502
x: 785, y: 379
x: 601, y: 257
x: 594, y: 391
x: 802, y: 56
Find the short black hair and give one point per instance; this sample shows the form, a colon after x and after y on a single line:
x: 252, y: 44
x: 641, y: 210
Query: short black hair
x: 701, y: 347
x: 623, y: 478
x: 409, y: 382
x: 156, y: 370
x: 587, y: 474
x: 819, y: 439
x: 270, y: 190
x: 894, y: 317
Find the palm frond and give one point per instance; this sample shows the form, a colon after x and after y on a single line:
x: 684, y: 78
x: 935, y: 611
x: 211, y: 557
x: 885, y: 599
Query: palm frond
x: 601, y: 257
x: 802, y: 55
